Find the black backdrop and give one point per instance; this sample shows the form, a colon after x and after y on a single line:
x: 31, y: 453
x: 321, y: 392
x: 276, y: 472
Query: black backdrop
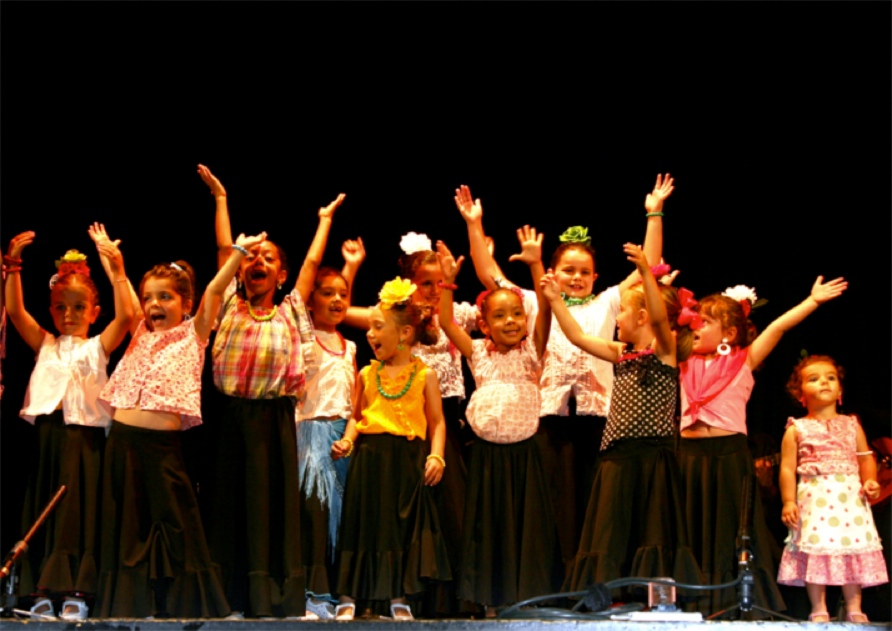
x: 774, y: 118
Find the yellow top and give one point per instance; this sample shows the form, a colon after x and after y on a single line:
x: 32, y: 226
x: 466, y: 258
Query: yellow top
x: 401, y: 417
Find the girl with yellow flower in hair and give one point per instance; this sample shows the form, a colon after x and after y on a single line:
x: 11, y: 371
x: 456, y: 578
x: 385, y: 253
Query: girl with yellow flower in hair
x: 390, y: 540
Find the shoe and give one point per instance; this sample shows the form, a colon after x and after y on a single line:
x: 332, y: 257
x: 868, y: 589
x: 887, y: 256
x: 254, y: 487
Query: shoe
x: 345, y: 611
x: 74, y: 610
x: 406, y: 612
x: 43, y: 610
x: 235, y: 615
x: 857, y: 617
x: 813, y: 617
x: 322, y: 609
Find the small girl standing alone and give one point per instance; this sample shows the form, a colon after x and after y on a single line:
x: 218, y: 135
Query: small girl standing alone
x: 833, y: 538
x: 390, y: 539
x: 62, y: 402
x: 510, y: 549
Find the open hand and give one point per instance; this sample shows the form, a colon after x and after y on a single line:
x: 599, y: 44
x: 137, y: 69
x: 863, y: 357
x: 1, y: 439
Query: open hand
x: 328, y: 211
x: 448, y: 264
x: 821, y: 292
x: 653, y: 203
x: 19, y: 242
x: 550, y: 289
x: 635, y: 254
x: 108, y: 249
x: 530, y: 246
x: 211, y: 180
x: 470, y: 209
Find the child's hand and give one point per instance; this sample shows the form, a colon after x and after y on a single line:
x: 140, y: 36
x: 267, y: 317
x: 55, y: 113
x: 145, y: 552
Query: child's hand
x: 98, y: 234
x: 353, y: 251
x: 448, y: 265
x: 821, y: 292
x: 790, y: 515
x: 550, y: 288
x: 470, y: 209
x: 653, y: 203
x: 433, y: 472
x: 108, y: 249
x: 19, y: 242
x: 250, y: 242
x: 635, y: 254
x: 530, y: 246
x: 213, y: 183
x: 328, y: 211
x: 339, y: 449
x: 871, y: 489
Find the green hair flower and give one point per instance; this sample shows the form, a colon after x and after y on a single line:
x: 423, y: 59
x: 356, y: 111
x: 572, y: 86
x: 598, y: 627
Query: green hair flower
x: 576, y: 234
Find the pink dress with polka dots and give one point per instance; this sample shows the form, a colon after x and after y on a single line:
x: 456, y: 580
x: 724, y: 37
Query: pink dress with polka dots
x: 836, y: 542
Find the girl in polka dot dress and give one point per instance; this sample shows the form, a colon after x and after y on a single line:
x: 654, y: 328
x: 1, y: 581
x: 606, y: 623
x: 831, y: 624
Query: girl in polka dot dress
x: 634, y: 522
x: 833, y: 539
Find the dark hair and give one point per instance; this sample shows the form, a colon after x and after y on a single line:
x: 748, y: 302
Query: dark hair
x: 730, y: 314
x: 564, y: 247
x: 183, y: 279
x: 420, y: 319
x: 684, y: 336
x: 484, y: 296
x: 324, y: 272
x: 794, y: 384
x: 409, y: 263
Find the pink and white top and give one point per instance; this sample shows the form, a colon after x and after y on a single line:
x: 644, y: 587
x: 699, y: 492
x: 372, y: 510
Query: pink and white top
x: 160, y: 372
x: 330, y: 388
x: 504, y: 407
x: 70, y: 370
x: 826, y: 447
x: 443, y: 357
x: 715, y: 391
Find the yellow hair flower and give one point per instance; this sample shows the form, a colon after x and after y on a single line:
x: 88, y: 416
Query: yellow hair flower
x: 72, y: 256
x: 396, y: 291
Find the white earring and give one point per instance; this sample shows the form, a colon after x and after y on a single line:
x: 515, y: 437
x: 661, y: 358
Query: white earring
x: 724, y: 348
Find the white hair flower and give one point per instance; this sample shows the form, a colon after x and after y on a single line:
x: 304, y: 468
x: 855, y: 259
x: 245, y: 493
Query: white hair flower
x: 414, y: 242
x: 741, y: 292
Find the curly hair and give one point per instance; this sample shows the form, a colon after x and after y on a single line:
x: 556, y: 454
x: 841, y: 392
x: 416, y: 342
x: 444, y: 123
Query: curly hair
x: 794, y: 383
x: 183, y: 279
x: 729, y: 313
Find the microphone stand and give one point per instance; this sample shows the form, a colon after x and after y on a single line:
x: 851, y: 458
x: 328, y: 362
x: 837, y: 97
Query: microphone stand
x: 7, y: 571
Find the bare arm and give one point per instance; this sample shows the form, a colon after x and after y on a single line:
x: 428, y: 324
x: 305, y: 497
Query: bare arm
x: 210, y: 301
x: 867, y: 466
x: 341, y: 447
x: 531, y: 254
x: 313, y: 259
x: 597, y: 346
x: 457, y: 335
x: 656, y: 307
x: 436, y: 427
x: 358, y: 317
x: 24, y: 323
x: 99, y: 235
x: 116, y: 330
x: 221, y: 220
x: 821, y: 292
x: 787, y: 478
x: 353, y: 252
x: 484, y: 263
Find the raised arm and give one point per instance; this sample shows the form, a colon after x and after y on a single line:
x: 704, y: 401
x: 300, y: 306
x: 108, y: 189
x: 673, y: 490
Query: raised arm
x: 484, y: 263
x: 597, y: 346
x: 656, y: 307
x: 116, y: 330
x: 531, y: 254
x: 787, y: 478
x: 24, y: 323
x: 221, y: 221
x: 313, y: 259
x: 821, y: 292
x: 653, y: 236
x: 99, y: 235
x: 450, y: 267
x: 210, y: 301
x: 353, y: 252
x: 436, y: 429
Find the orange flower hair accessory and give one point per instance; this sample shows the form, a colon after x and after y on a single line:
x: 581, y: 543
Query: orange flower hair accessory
x: 396, y: 291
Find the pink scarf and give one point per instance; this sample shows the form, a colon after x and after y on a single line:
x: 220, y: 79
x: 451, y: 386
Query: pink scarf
x: 703, y: 383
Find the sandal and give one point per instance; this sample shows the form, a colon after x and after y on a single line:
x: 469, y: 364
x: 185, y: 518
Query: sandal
x: 813, y: 617
x: 406, y: 612
x: 43, y: 610
x: 862, y: 618
x: 345, y: 611
x: 74, y: 610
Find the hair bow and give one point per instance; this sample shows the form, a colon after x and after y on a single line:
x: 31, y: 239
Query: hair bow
x: 688, y: 316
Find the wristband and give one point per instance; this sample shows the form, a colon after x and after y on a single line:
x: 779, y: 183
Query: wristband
x: 654, y: 215
x: 438, y: 459
x: 349, y: 451
x: 238, y: 248
x: 449, y: 286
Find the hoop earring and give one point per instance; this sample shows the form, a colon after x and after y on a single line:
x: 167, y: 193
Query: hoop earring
x: 724, y: 348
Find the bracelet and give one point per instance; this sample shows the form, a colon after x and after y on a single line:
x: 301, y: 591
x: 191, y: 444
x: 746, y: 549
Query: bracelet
x: 654, y: 215
x: 349, y: 451
x: 449, y: 286
x: 238, y: 248
x: 11, y: 260
x: 9, y: 269
x: 863, y: 453
x: 438, y: 459
x: 122, y: 280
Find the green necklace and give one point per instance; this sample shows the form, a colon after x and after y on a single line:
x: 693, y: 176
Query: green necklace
x: 570, y: 301
x: 387, y: 395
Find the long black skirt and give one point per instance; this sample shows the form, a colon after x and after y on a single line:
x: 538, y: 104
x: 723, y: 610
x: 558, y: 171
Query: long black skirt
x: 634, y: 524
x: 713, y: 472
x: 254, y: 525
x: 154, y: 558
x: 62, y: 554
x: 390, y: 544
x: 510, y: 550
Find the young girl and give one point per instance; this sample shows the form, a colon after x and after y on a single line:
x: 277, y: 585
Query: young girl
x: 509, y: 550
x: 634, y: 523
x: 390, y: 538
x: 713, y: 455
x: 62, y: 402
x: 262, y: 354
x: 155, y: 561
x: 833, y: 538
x: 575, y: 386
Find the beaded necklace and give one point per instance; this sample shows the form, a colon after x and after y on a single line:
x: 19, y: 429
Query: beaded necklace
x: 405, y: 389
x: 261, y: 318
x: 331, y: 352
x: 571, y: 301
